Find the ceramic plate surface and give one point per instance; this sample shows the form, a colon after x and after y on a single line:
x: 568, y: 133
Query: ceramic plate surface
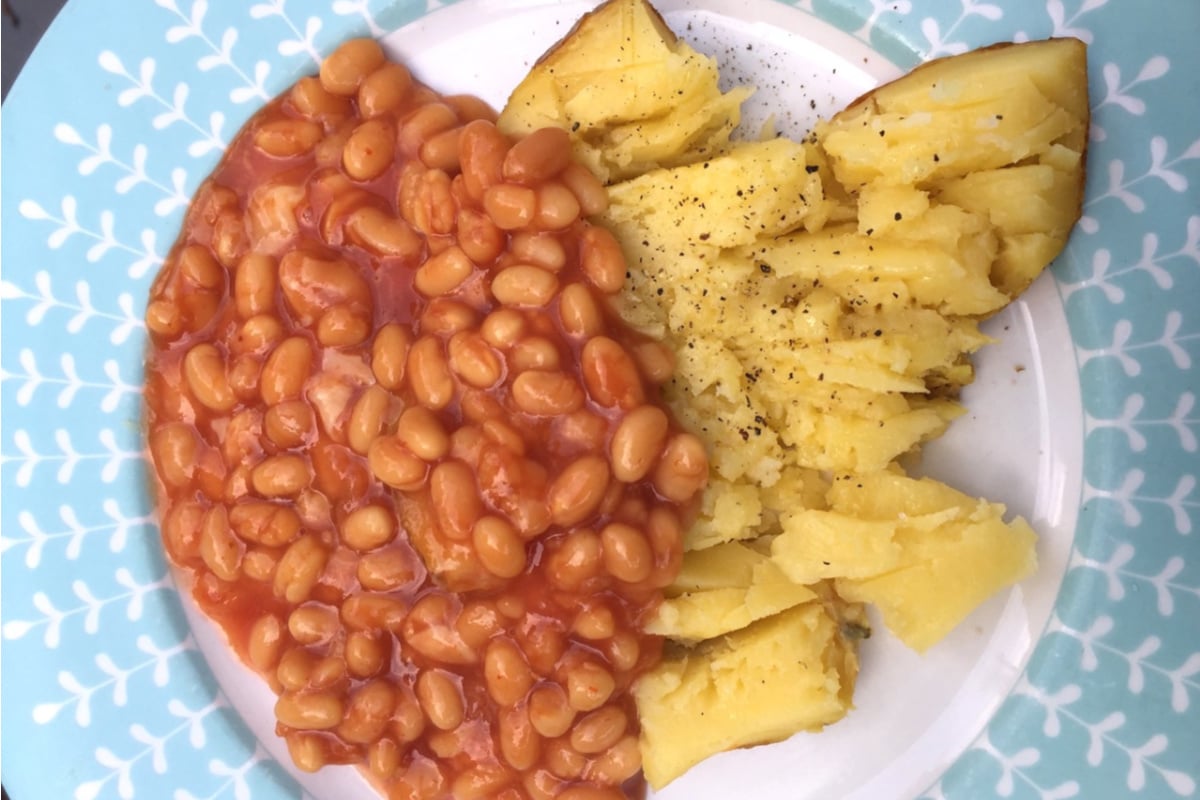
x: 1082, y: 682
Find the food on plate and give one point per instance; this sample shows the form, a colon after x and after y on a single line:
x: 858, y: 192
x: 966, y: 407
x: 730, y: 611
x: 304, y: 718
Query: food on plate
x: 455, y: 418
x: 630, y: 93
x: 405, y: 456
x: 822, y: 299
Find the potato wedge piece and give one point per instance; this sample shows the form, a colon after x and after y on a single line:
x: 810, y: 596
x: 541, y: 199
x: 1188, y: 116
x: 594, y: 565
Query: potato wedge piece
x: 793, y: 671
x: 632, y: 95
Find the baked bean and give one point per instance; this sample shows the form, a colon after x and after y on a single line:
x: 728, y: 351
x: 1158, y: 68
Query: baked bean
x: 285, y: 138
x: 384, y: 90
x: 478, y: 622
x: 499, y: 547
x: 314, y: 509
x: 368, y: 712
x: 312, y: 284
x: 546, y: 393
x: 627, y: 555
x: 365, y: 653
x: 345, y: 68
x: 557, y: 207
x: 443, y: 273
x: 498, y: 431
x: 281, y: 476
x: 623, y: 651
x: 173, y: 447
x: 430, y: 630
x: 577, y: 491
x: 423, y: 124
x: 599, y: 730
x: 610, y: 375
x: 369, y: 150
x: 382, y: 234
x: 589, y: 686
x: 258, y: 335
x: 563, y: 760
x: 470, y: 108
x: 204, y: 370
x: 164, y: 319
x: 683, y: 469
x: 549, y: 711
x: 299, y: 568
x: 576, y: 558
x: 312, y: 100
x: 503, y: 328
x: 408, y: 720
x: 306, y: 751
x: 519, y: 743
x: 543, y: 645
x: 441, y: 698
x: 655, y: 360
x: 221, y: 550
x: 481, y: 154
x: 422, y: 433
x: 617, y: 764
x: 430, y: 206
x: 524, y: 285
x: 383, y: 758
x: 601, y: 259
x: 286, y: 370
x: 483, y: 781
x: 473, y: 360
x: 637, y: 443
x: 394, y: 464
x: 374, y: 612
x: 289, y: 424
x: 388, y: 570
x: 445, y: 317
x: 259, y: 565
x: 254, y: 285
x: 510, y: 206
x: 328, y: 152
x: 342, y: 326
x: 295, y: 668
x: 197, y: 265
x: 243, y: 377
x: 540, y: 249
x: 455, y: 498
x: 368, y: 527
x: 263, y: 523
x: 313, y: 623
x: 594, y: 622
x: 429, y: 374
x: 316, y: 711
x: 440, y: 151
x: 479, y: 237
x: 538, y: 157
x: 578, y: 311
x: 588, y: 190
x: 328, y: 673
x: 506, y: 673
x: 264, y: 642
x: 181, y: 529
x: 368, y: 418
x: 389, y: 355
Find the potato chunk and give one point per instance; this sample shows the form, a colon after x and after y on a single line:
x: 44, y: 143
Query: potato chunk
x: 793, y: 671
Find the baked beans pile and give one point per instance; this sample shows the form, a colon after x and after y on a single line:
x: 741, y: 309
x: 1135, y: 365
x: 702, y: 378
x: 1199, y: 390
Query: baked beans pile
x: 417, y: 469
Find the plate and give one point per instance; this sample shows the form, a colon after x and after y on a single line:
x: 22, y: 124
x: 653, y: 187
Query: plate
x: 1082, y: 682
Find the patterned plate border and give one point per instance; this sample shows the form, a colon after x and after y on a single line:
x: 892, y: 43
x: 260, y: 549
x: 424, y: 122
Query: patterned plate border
x: 105, y: 695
